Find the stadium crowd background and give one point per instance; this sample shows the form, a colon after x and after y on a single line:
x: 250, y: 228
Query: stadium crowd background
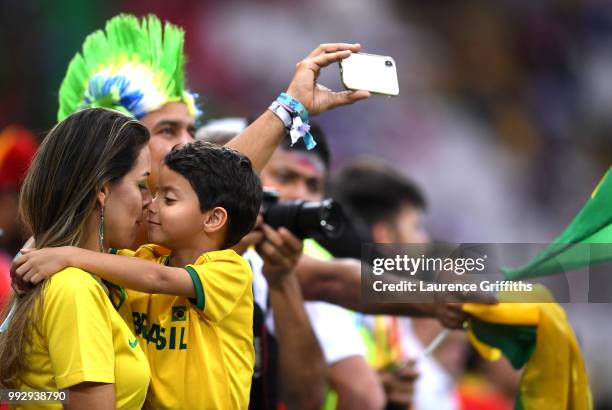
x: 503, y: 116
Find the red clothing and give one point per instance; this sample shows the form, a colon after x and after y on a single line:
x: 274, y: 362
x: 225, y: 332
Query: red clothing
x: 17, y: 148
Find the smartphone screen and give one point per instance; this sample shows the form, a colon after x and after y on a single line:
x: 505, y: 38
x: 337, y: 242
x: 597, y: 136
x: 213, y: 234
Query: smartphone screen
x: 370, y: 72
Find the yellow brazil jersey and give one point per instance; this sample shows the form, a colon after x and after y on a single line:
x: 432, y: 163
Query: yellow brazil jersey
x: 200, y: 350
x: 81, y: 338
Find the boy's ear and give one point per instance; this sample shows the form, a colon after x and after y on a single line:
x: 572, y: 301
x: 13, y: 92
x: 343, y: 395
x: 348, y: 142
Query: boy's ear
x: 215, y: 219
x: 103, y: 195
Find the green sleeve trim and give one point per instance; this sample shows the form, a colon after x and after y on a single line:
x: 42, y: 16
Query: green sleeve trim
x: 199, y: 300
x: 122, y: 294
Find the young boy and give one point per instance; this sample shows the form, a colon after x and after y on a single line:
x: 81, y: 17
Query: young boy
x: 200, y: 343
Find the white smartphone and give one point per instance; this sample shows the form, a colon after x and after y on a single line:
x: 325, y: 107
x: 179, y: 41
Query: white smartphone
x: 370, y: 72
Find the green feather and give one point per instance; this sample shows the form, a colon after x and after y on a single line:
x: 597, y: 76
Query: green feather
x: 126, y: 39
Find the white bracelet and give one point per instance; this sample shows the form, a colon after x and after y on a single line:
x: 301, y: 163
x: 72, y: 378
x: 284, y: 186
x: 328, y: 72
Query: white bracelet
x: 281, y: 113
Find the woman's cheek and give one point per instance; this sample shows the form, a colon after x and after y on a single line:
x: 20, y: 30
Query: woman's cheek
x: 137, y: 203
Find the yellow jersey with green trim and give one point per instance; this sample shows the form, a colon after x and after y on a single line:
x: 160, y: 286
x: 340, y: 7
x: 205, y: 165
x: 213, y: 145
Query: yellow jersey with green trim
x: 79, y: 337
x: 200, y: 349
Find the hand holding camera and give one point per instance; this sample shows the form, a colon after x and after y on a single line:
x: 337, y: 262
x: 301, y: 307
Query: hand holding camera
x: 280, y: 251
x: 304, y: 219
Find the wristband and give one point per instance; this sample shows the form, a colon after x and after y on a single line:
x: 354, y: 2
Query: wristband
x: 293, y: 105
x: 287, y: 106
x: 282, y: 114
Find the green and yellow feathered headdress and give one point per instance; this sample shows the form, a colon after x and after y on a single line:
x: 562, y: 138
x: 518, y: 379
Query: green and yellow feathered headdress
x: 132, y: 66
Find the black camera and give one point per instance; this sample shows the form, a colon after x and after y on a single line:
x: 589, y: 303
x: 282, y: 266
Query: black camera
x: 303, y: 218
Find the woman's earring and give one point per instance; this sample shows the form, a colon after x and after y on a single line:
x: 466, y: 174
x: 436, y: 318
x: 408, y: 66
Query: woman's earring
x: 101, y: 230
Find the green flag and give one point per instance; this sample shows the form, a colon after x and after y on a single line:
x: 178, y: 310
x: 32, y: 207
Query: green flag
x: 572, y: 249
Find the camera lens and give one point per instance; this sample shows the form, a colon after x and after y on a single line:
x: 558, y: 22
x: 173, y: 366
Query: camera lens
x: 388, y: 63
x: 304, y: 219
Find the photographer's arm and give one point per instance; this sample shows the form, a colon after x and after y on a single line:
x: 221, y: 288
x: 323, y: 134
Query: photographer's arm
x: 260, y: 139
x: 351, y: 378
x: 303, y: 387
x: 35, y: 265
x: 339, y: 282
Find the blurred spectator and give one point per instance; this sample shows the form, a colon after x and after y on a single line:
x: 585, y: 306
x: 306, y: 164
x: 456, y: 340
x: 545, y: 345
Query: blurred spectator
x: 393, y: 208
x: 17, y: 148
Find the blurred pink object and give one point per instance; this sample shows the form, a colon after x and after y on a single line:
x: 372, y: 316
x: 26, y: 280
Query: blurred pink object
x: 5, y: 279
